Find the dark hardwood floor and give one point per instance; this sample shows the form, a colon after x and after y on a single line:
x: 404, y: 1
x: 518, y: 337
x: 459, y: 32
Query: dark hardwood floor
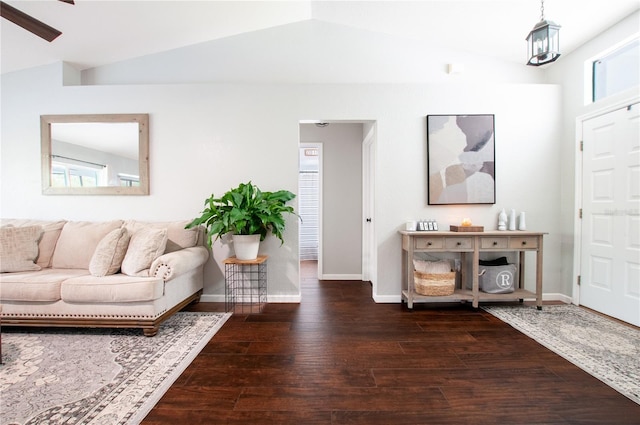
x: 339, y: 358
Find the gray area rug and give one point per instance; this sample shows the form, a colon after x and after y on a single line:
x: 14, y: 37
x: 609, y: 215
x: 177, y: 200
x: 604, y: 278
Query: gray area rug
x: 606, y: 349
x: 96, y: 376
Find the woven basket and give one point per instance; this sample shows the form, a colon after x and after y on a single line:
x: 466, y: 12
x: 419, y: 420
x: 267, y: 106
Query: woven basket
x: 434, y: 284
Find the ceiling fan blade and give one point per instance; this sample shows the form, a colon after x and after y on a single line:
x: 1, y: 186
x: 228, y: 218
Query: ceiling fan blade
x: 19, y: 18
x: 67, y: 1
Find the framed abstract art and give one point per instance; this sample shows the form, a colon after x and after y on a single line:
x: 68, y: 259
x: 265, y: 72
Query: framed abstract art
x: 461, y: 159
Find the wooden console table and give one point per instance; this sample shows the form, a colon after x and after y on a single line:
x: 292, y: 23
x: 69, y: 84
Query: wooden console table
x: 473, y: 243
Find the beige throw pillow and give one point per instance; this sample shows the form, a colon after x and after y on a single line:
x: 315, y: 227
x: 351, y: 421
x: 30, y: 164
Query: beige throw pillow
x: 78, y: 241
x: 19, y: 248
x: 177, y: 236
x: 145, y: 246
x: 47, y: 244
x: 109, y: 254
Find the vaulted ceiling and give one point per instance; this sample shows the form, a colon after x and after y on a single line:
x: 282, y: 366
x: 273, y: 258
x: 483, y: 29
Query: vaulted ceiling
x: 96, y: 32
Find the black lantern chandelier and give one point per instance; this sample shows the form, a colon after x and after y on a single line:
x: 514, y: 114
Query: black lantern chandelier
x: 543, y: 42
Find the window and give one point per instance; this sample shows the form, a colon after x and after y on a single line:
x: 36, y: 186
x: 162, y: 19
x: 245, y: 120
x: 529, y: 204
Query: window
x: 70, y: 174
x: 128, y: 180
x: 617, y: 71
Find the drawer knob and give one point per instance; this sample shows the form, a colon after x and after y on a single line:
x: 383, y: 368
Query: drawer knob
x: 524, y: 242
x: 429, y: 244
x: 459, y: 243
x: 495, y: 243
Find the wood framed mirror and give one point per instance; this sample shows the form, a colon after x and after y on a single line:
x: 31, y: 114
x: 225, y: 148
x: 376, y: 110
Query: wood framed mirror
x: 98, y: 154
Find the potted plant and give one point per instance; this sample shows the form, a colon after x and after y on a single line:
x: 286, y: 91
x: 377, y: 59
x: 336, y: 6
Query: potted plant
x: 247, y: 213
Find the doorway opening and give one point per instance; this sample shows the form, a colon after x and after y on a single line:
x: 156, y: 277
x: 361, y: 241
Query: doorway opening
x: 336, y: 199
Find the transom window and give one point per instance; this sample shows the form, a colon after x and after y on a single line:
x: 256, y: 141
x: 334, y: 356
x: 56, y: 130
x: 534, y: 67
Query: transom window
x: 616, y: 71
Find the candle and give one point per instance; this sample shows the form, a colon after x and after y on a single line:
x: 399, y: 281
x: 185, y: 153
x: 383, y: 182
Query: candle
x: 466, y: 222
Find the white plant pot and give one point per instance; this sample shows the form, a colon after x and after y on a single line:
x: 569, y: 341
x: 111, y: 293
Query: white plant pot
x: 246, y: 246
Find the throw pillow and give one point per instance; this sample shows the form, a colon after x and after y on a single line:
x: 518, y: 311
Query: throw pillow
x: 145, y: 246
x: 177, y: 236
x: 78, y: 241
x: 19, y: 248
x: 110, y: 253
x: 50, y: 234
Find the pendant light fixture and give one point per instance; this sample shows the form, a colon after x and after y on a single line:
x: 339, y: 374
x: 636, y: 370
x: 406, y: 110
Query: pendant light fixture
x: 543, y: 42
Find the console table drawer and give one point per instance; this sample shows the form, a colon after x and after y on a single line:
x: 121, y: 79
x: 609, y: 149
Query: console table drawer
x: 523, y: 242
x: 459, y: 243
x: 497, y: 243
x: 429, y: 243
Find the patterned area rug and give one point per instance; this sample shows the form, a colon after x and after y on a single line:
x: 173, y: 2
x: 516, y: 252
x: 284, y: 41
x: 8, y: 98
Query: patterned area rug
x: 604, y: 348
x: 96, y: 376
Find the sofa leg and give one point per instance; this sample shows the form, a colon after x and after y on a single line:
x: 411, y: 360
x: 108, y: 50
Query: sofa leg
x: 196, y: 299
x: 151, y: 331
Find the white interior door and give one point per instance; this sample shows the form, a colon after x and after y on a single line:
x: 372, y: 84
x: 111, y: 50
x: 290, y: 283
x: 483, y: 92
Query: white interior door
x: 610, y: 247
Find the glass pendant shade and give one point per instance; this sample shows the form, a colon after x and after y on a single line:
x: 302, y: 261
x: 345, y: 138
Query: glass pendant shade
x: 543, y: 43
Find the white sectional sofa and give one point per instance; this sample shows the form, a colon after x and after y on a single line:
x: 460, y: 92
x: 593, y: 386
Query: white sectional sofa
x: 98, y: 274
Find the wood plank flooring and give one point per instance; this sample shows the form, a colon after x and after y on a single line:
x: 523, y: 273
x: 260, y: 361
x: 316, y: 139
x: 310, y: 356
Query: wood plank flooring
x: 339, y: 358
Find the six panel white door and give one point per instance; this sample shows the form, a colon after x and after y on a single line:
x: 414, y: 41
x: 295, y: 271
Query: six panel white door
x: 610, y: 259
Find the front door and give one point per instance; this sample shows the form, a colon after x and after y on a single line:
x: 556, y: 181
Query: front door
x: 610, y: 247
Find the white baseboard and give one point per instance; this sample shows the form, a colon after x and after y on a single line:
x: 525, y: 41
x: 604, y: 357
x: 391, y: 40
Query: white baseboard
x: 340, y: 277
x: 387, y: 299
x: 284, y: 298
x: 213, y: 298
x: 557, y: 297
x: 380, y: 299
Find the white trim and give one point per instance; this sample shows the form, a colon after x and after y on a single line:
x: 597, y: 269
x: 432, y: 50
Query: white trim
x: 395, y: 299
x: 387, y: 299
x: 284, y: 299
x: 341, y: 277
x: 556, y: 296
x: 212, y: 298
x: 216, y: 298
x: 379, y: 299
x: 369, y: 258
x: 319, y: 146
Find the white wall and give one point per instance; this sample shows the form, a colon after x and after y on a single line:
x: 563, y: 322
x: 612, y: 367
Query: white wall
x: 209, y: 137
x: 569, y: 73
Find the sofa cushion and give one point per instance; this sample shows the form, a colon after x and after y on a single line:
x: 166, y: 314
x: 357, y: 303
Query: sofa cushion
x: 35, y: 286
x: 109, y: 253
x: 111, y: 289
x: 48, y: 240
x: 177, y: 236
x: 19, y: 248
x: 78, y: 241
x: 146, y: 245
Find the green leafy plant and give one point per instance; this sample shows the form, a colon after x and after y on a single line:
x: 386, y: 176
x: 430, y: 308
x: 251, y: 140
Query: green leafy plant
x: 245, y: 210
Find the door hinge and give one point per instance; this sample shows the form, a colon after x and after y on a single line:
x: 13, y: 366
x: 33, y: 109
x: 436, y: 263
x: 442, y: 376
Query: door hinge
x: 581, y: 145
x: 579, y: 280
x: 580, y: 213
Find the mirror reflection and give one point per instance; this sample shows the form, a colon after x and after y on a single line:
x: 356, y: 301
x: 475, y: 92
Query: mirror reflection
x: 95, y: 154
